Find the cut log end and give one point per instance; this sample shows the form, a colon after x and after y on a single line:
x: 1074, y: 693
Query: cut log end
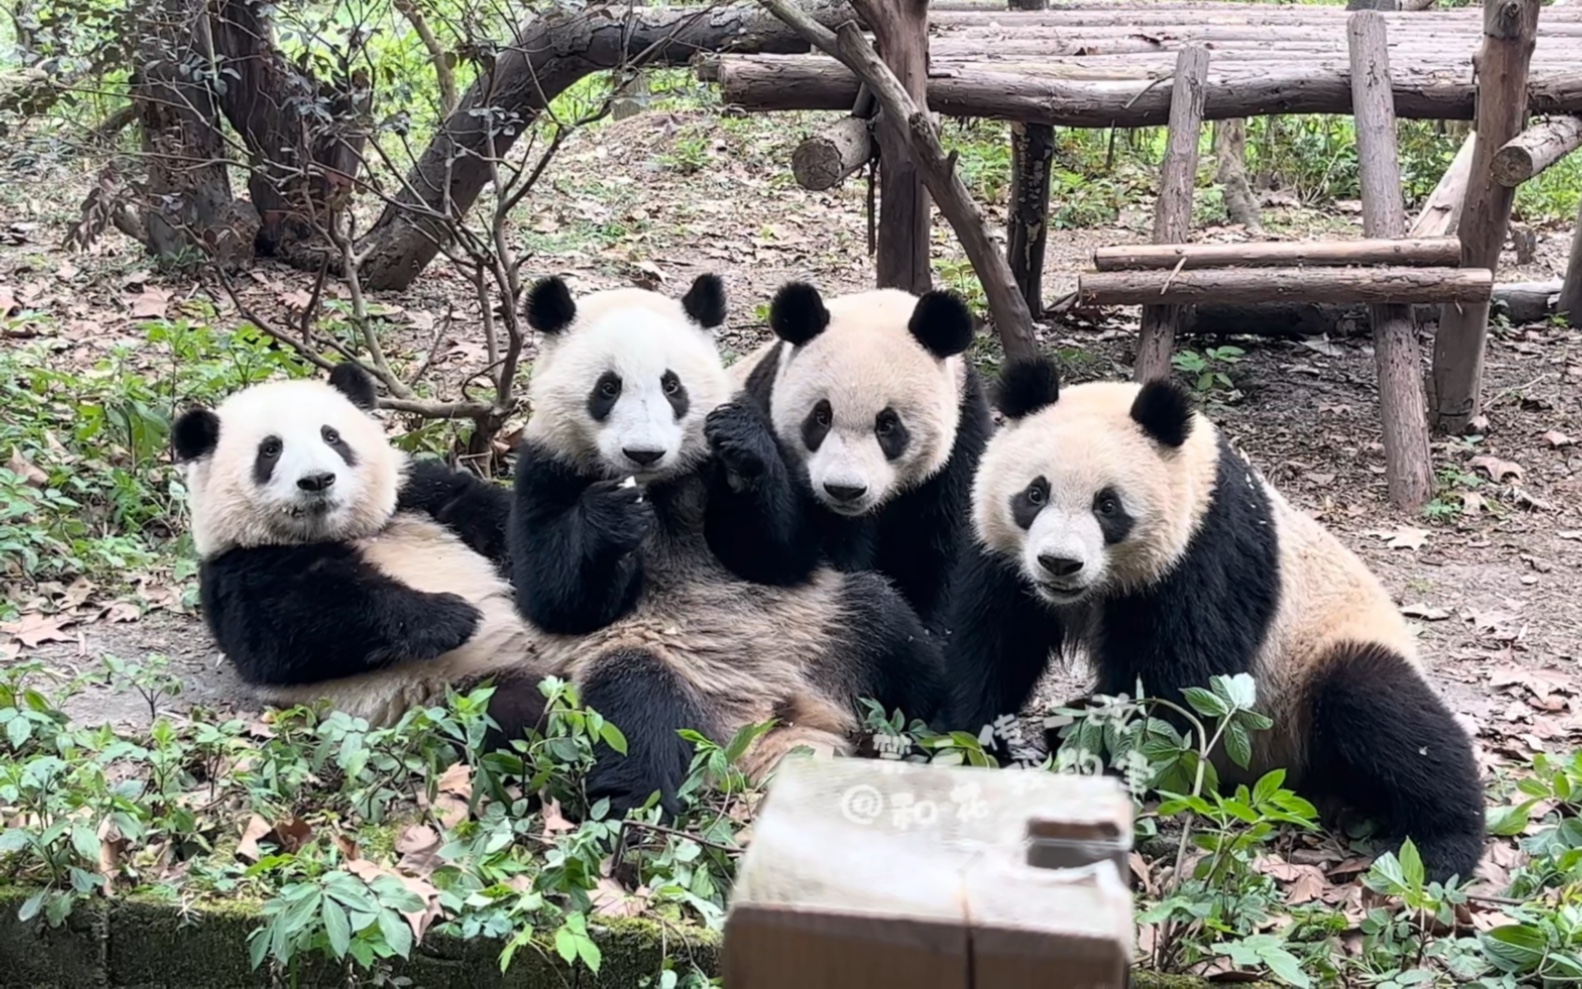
x: 826, y: 159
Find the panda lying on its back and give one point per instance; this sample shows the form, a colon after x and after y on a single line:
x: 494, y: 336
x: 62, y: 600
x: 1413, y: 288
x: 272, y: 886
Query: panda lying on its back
x: 672, y: 639
x: 1111, y: 516
x: 886, y: 420
x: 332, y: 567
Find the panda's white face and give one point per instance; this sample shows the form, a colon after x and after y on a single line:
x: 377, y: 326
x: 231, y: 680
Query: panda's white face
x: 1084, y: 500
x: 872, y: 412
x: 294, y: 462
x: 626, y: 388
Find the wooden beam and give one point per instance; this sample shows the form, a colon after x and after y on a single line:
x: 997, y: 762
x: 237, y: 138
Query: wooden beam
x: 1232, y: 285
x: 1425, y: 251
x: 1027, y: 234
x: 1521, y: 302
x: 1012, y: 319
x: 1509, y: 28
x: 1403, y: 411
x: 1442, y: 211
x: 900, y: 30
x: 1173, y: 211
x: 1536, y: 148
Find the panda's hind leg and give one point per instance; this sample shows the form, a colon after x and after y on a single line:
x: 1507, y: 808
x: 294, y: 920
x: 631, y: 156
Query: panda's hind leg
x: 1383, y: 743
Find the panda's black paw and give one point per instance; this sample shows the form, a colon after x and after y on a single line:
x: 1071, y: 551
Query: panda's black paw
x: 618, y: 517
x: 741, y: 439
x: 447, y: 623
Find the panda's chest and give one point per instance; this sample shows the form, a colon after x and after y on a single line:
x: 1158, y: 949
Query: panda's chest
x: 425, y: 556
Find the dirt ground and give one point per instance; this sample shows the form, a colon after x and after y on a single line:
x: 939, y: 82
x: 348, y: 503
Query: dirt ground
x: 1493, y: 581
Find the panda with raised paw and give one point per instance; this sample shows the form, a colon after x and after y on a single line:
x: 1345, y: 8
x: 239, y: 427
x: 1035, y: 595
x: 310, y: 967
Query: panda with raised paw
x: 334, y: 567
x: 1113, y: 517
x: 885, y: 419
x: 616, y: 483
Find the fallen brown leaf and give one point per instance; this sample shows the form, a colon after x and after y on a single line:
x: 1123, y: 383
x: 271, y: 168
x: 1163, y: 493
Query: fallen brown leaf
x: 554, y: 820
x: 34, y: 629
x: 25, y: 469
x: 150, y: 303
x: 257, y: 829
x: 1496, y: 468
x: 418, y: 847
x: 1406, y: 537
x: 609, y: 899
x: 1557, y: 439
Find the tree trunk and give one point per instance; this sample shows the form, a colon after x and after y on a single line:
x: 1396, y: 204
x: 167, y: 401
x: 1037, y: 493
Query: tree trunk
x: 1428, y: 252
x: 1227, y: 285
x: 1032, y: 154
x: 1509, y: 29
x: 1532, y: 151
x: 900, y: 30
x: 541, y: 61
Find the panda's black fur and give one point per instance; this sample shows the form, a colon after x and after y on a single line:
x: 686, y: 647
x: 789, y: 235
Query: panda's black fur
x: 916, y: 534
x: 1356, y: 723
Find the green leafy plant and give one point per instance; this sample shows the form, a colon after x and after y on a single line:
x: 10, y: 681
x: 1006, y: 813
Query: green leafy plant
x: 1210, y: 368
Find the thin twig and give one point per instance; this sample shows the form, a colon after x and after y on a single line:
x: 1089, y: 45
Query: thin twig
x: 661, y: 829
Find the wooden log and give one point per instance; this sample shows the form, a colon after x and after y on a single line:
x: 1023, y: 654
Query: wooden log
x: 828, y: 158
x: 1535, y: 149
x: 1012, y: 320
x: 1256, y: 90
x: 1509, y: 27
x: 1442, y: 211
x: 1032, y: 155
x: 1523, y: 303
x: 1228, y: 285
x: 1426, y: 251
x: 900, y: 30
x: 1173, y: 211
x: 1403, y: 411
x: 1570, y: 304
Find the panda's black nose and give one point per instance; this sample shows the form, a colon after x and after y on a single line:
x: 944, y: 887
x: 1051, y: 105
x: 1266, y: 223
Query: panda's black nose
x: 643, y: 458
x: 1059, y: 566
x: 316, y: 482
x: 846, y: 492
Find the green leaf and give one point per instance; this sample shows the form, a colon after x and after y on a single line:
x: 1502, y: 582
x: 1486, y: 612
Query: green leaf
x: 1284, y: 965
x: 18, y: 731
x: 1267, y: 786
x: 337, y: 927
x: 1238, y: 745
x: 86, y: 843
x: 1515, y: 948
x: 397, y: 934
x: 13, y: 840
x: 589, y: 953
x: 1512, y: 820
x: 31, y: 906
x: 566, y: 944
x: 1239, y: 691
x: 258, y: 946
x: 1205, y: 703
x: 1386, y: 875
x: 613, y: 738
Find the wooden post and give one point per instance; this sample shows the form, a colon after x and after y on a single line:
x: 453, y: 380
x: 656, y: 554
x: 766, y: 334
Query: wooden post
x: 1570, y: 304
x: 1173, y: 212
x: 900, y: 28
x: 1442, y: 212
x: 1510, y: 28
x: 1535, y: 149
x: 1408, y: 468
x: 1032, y: 154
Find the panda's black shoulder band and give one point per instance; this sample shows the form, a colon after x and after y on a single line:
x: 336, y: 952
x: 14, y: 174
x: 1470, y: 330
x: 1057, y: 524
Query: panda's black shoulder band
x: 195, y: 434
x: 797, y: 313
x: 942, y: 323
x: 356, y: 384
x: 1026, y: 386
x: 550, y: 308
x: 705, y: 301
x: 1164, y: 411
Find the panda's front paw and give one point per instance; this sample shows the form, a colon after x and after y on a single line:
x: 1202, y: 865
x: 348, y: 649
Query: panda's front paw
x: 741, y: 439
x: 447, y: 623
x: 618, y: 515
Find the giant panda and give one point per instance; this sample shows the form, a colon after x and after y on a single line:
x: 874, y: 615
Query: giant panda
x: 333, y: 567
x: 1113, y: 517
x: 633, y: 446
x: 884, y: 419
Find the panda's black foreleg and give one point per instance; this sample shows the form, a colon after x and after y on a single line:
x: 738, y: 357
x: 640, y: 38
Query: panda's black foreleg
x: 639, y: 694
x: 759, y: 521
x: 1383, y: 743
x: 885, y: 652
x: 573, y: 545
x: 474, y: 509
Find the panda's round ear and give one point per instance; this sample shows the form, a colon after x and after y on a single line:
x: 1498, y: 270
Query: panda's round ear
x: 550, y: 308
x: 195, y: 434
x: 797, y: 313
x: 1026, y: 386
x: 1164, y: 410
x: 356, y: 384
x: 942, y: 323
x: 705, y: 301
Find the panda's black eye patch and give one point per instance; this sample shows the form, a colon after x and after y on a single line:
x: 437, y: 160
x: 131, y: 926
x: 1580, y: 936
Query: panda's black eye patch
x: 264, y: 461
x: 891, y: 433
x: 675, y: 393
x: 333, y: 439
x: 603, y: 397
x: 1114, y: 521
x: 1028, y: 502
x: 816, y: 426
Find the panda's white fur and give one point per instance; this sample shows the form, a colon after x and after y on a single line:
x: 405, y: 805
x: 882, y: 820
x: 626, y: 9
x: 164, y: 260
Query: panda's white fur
x: 1114, y: 519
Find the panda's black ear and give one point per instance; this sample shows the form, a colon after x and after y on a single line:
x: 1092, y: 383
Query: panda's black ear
x: 1164, y: 410
x: 356, y: 384
x: 550, y: 308
x: 705, y: 301
x: 1026, y: 386
x: 797, y: 313
x: 195, y: 434
x: 942, y: 323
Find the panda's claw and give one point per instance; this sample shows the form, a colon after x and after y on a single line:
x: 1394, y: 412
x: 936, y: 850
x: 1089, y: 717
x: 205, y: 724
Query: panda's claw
x: 741, y: 439
x: 447, y: 622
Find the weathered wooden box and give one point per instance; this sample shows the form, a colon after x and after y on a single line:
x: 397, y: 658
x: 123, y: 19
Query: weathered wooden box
x: 865, y: 873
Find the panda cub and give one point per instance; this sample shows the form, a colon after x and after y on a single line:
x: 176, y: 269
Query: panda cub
x: 611, y: 539
x: 885, y: 420
x: 333, y: 567
x: 1112, y: 517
